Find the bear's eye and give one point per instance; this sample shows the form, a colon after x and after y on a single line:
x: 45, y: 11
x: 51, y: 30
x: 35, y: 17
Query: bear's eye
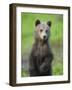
x: 46, y: 31
x: 41, y: 30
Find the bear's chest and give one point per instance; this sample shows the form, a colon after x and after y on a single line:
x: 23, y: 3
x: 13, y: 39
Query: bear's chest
x: 41, y: 51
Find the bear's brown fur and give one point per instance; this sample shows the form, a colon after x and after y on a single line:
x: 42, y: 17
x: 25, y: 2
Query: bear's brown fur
x: 41, y: 55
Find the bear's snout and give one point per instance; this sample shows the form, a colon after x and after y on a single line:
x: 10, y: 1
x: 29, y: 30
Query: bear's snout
x: 44, y: 37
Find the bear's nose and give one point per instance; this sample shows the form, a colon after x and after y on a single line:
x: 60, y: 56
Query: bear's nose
x: 44, y: 37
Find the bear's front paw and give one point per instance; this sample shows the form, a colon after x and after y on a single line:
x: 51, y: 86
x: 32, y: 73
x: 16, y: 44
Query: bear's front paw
x: 44, y: 68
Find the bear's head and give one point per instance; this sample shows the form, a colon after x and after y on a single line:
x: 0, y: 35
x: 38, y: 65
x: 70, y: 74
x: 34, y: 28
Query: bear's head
x: 42, y: 30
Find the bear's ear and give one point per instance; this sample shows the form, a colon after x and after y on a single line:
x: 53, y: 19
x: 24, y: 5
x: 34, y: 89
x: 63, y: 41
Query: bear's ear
x: 49, y: 23
x: 37, y: 22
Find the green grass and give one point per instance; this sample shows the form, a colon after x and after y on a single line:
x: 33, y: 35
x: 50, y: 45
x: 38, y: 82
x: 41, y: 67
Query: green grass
x: 24, y: 73
x: 57, y: 65
x: 56, y: 39
x: 58, y: 69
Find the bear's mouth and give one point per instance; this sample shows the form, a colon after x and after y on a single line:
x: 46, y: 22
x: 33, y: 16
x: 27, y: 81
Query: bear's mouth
x: 44, y: 40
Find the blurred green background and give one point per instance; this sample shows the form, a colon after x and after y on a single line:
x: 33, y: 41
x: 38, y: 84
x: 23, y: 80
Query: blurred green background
x: 56, y: 39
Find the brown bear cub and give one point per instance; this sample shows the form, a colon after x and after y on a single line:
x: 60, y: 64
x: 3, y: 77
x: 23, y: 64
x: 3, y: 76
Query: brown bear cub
x: 41, y: 55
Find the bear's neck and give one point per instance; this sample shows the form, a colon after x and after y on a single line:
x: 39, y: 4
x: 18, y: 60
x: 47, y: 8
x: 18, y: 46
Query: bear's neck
x: 41, y: 42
